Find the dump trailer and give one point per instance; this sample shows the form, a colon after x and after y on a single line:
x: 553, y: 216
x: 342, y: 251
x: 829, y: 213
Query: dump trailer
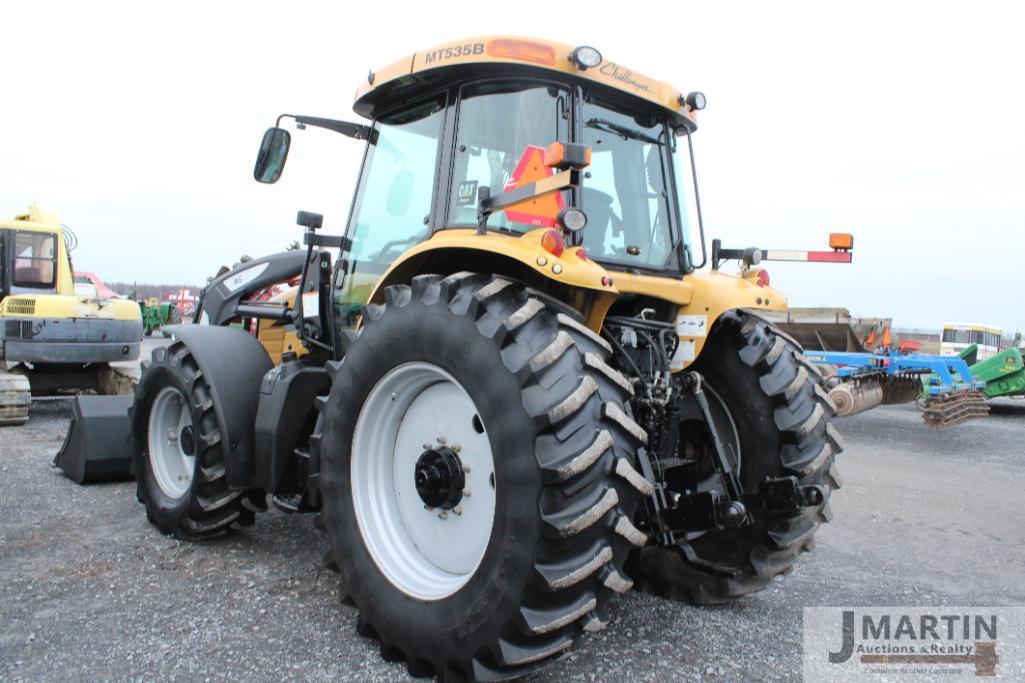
x: 508, y: 389
x: 833, y: 329
x: 52, y: 340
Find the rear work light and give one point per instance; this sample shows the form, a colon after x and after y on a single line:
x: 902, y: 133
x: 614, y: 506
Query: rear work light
x: 523, y: 50
x: 585, y: 57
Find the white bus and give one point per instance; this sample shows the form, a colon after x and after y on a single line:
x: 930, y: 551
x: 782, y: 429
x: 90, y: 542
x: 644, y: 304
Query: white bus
x: 957, y: 336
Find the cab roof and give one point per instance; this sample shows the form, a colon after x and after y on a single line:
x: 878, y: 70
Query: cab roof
x: 445, y: 64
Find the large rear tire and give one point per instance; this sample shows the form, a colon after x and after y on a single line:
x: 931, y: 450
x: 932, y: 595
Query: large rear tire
x: 479, y: 378
x: 179, y: 461
x: 782, y: 419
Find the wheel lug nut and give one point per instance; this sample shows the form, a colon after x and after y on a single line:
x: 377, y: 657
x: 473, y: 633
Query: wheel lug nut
x: 457, y: 447
x: 442, y: 440
x: 427, y: 446
x: 458, y: 510
x: 466, y: 468
x: 443, y: 515
x: 467, y: 493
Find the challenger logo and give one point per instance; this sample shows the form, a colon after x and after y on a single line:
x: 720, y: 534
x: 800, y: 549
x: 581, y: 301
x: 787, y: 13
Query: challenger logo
x: 624, y: 76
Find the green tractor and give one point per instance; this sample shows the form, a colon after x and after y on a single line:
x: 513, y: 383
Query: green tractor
x: 156, y: 314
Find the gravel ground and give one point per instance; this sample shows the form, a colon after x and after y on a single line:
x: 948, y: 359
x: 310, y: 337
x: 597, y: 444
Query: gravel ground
x: 89, y: 591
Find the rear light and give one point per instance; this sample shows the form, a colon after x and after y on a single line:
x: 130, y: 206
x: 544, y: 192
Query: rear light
x: 553, y: 243
x: 763, y: 278
x: 582, y: 254
x: 523, y: 50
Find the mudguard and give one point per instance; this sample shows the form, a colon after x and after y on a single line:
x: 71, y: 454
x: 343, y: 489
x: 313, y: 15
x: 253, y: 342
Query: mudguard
x: 221, y: 296
x: 234, y: 364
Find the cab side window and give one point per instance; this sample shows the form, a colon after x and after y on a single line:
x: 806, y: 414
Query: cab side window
x: 393, y: 199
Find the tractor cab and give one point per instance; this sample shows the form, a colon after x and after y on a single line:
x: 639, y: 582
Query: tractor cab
x: 472, y: 139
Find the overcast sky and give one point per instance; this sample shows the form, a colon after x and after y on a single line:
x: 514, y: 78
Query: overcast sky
x: 902, y: 123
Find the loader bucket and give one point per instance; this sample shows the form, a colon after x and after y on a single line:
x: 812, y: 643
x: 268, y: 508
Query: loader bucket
x: 98, y: 446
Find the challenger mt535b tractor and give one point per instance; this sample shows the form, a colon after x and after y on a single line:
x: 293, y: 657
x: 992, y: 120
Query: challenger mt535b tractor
x: 507, y: 389
x: 52, y: 339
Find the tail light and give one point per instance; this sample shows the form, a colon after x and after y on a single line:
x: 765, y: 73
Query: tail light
x: 553, y: 243
x: 763, y: 278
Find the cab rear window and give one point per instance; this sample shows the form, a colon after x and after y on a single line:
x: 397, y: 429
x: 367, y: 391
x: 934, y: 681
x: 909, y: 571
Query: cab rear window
x: 35, y: 259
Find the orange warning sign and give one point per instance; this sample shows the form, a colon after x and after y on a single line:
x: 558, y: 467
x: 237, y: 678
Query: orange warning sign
x: 541, y: 211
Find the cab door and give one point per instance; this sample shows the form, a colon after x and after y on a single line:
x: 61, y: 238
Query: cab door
x: 394, y: 198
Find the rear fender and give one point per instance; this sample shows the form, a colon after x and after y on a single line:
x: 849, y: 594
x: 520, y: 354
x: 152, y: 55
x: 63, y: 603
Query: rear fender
x: 577, y: 282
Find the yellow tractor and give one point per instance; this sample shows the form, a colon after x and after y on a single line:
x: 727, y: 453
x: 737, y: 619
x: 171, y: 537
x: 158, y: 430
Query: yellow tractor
x: 509, y: 389
x: 55, y: 340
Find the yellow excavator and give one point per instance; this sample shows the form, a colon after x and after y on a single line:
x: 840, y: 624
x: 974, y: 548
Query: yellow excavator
x: 54, y: 340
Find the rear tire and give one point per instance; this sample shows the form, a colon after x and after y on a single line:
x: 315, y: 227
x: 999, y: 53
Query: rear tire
x: 551, y: 414
x: 782, y: 416
x: 179, y: 463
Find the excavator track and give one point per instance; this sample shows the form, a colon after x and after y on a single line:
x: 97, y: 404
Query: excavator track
x: 15, y: 398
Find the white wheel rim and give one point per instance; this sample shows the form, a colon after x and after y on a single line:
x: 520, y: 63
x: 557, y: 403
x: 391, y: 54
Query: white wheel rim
x: 427, y: 554
x: 171, y: 442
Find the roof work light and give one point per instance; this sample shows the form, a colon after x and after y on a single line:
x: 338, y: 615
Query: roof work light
x: 585, y: 57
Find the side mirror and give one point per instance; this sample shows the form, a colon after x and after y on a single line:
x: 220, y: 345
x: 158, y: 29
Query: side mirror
x: 270, y: 161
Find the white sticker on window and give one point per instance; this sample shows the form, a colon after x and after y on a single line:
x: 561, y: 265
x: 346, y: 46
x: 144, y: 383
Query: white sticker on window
x: 244, y: 277
x: 691, y: 325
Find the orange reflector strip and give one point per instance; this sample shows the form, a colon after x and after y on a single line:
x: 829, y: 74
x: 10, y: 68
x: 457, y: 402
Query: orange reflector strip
x: 841, y: 240
x: 524, y: 50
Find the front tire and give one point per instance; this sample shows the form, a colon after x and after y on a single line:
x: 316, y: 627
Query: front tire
x: 782, y: 419
x: 539, y: 417
x: 179, y: 460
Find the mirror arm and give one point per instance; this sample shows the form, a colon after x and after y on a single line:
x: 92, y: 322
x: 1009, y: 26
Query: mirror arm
x: 352, y: 130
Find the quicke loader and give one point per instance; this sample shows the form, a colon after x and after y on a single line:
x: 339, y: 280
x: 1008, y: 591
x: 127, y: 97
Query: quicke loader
x: 507, y: 390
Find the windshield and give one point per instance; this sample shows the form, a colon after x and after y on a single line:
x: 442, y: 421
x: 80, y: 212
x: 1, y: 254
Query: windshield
x: 625, y: 189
